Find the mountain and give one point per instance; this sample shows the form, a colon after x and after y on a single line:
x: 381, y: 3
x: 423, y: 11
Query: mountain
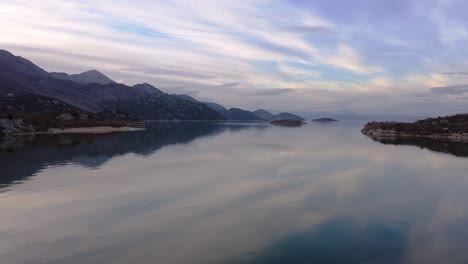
x: 31, y: 112
x: 231, y: 114
x: 20, y: 76
x: 187, y: 98
x: 148, y: 88
x: 217, y: 107
x: 240, y: 114
x: 286, y: 116
x: 115, y: 115
x: 21, y: 65
x: 91, y: 76
x: 264, y: 114
x: 94, y: 92
x: 164, y: 107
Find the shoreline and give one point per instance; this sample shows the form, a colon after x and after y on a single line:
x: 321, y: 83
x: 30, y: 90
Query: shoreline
x: 449, y: 129
x: 391, y: 134
x: 83, y: 130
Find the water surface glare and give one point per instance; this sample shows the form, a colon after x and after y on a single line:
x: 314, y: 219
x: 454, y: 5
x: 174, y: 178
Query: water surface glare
x: 193, y: 192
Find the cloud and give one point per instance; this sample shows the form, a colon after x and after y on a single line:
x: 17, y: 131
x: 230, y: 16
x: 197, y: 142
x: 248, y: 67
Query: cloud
x: 297, y: 72
x: 451, y: 90
x: 309, y: 29
x: 161, y: 71
x: 348, y: 58
x: 450, y: 31
x: 229, y: 85
x: 456, y: 73
x: 275, y: 91
x: 234, y: 52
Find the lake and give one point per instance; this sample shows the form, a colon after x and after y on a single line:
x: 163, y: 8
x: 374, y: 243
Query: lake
x: 196, y: 192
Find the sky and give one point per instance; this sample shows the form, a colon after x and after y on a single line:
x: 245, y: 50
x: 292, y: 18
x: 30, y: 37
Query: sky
x: 366, y: 56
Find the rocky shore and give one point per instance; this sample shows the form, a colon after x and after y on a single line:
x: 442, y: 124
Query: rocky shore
x: 14, y: 126
x: 392, y: 134
x: 450, y: 128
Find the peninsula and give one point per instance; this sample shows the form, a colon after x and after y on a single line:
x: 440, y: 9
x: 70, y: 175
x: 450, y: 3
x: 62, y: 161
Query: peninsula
x: 450, y: 128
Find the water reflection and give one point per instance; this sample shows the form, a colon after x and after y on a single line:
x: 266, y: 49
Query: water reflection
x: 338, y: 241
x: 314, y: 194
x: 459, y: 149
x: 23, y: 157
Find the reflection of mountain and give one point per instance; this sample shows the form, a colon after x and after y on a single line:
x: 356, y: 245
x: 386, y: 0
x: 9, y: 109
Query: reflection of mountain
x: 26, y: 156
x: 459, y: 149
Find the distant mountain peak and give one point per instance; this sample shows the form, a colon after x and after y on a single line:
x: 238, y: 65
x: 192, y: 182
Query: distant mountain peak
x: 264, y: 114
x: 94, y: 76
x: 91, y: 76
x: 5, y: 53
x: 92, y: 72
x: 20, y: 65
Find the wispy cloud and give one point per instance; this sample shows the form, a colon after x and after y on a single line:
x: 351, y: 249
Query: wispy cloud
x: 451, y: 90
x: 327, y: 52
x: 276, y: 91
x: 309, y: 29
x: 456, y: 73
x: 349, y: 59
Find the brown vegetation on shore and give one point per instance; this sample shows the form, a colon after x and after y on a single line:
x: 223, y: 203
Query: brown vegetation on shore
x: 451, y: 128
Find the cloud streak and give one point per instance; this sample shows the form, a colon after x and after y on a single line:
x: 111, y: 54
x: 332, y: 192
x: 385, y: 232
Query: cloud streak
x: 276, y: 91
x: 451, y: 90
x: 309, y: 47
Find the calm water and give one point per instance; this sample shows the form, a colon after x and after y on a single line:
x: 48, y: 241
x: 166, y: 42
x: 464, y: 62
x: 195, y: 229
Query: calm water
x: 232, y: 193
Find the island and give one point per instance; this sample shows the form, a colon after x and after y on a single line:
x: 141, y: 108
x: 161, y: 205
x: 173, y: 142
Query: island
x: 325, y: 119
x: 288, y: 122
x: 450, y: 128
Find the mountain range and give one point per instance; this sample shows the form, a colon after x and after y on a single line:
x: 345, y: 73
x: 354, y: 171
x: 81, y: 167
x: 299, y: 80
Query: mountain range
x: 93, y: 92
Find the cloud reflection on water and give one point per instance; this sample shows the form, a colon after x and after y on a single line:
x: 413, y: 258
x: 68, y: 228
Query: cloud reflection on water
x: 236, y: 194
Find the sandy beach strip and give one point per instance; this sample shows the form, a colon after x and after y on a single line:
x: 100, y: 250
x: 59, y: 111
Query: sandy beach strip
x: 92, y: 130
x: 83, y: 130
